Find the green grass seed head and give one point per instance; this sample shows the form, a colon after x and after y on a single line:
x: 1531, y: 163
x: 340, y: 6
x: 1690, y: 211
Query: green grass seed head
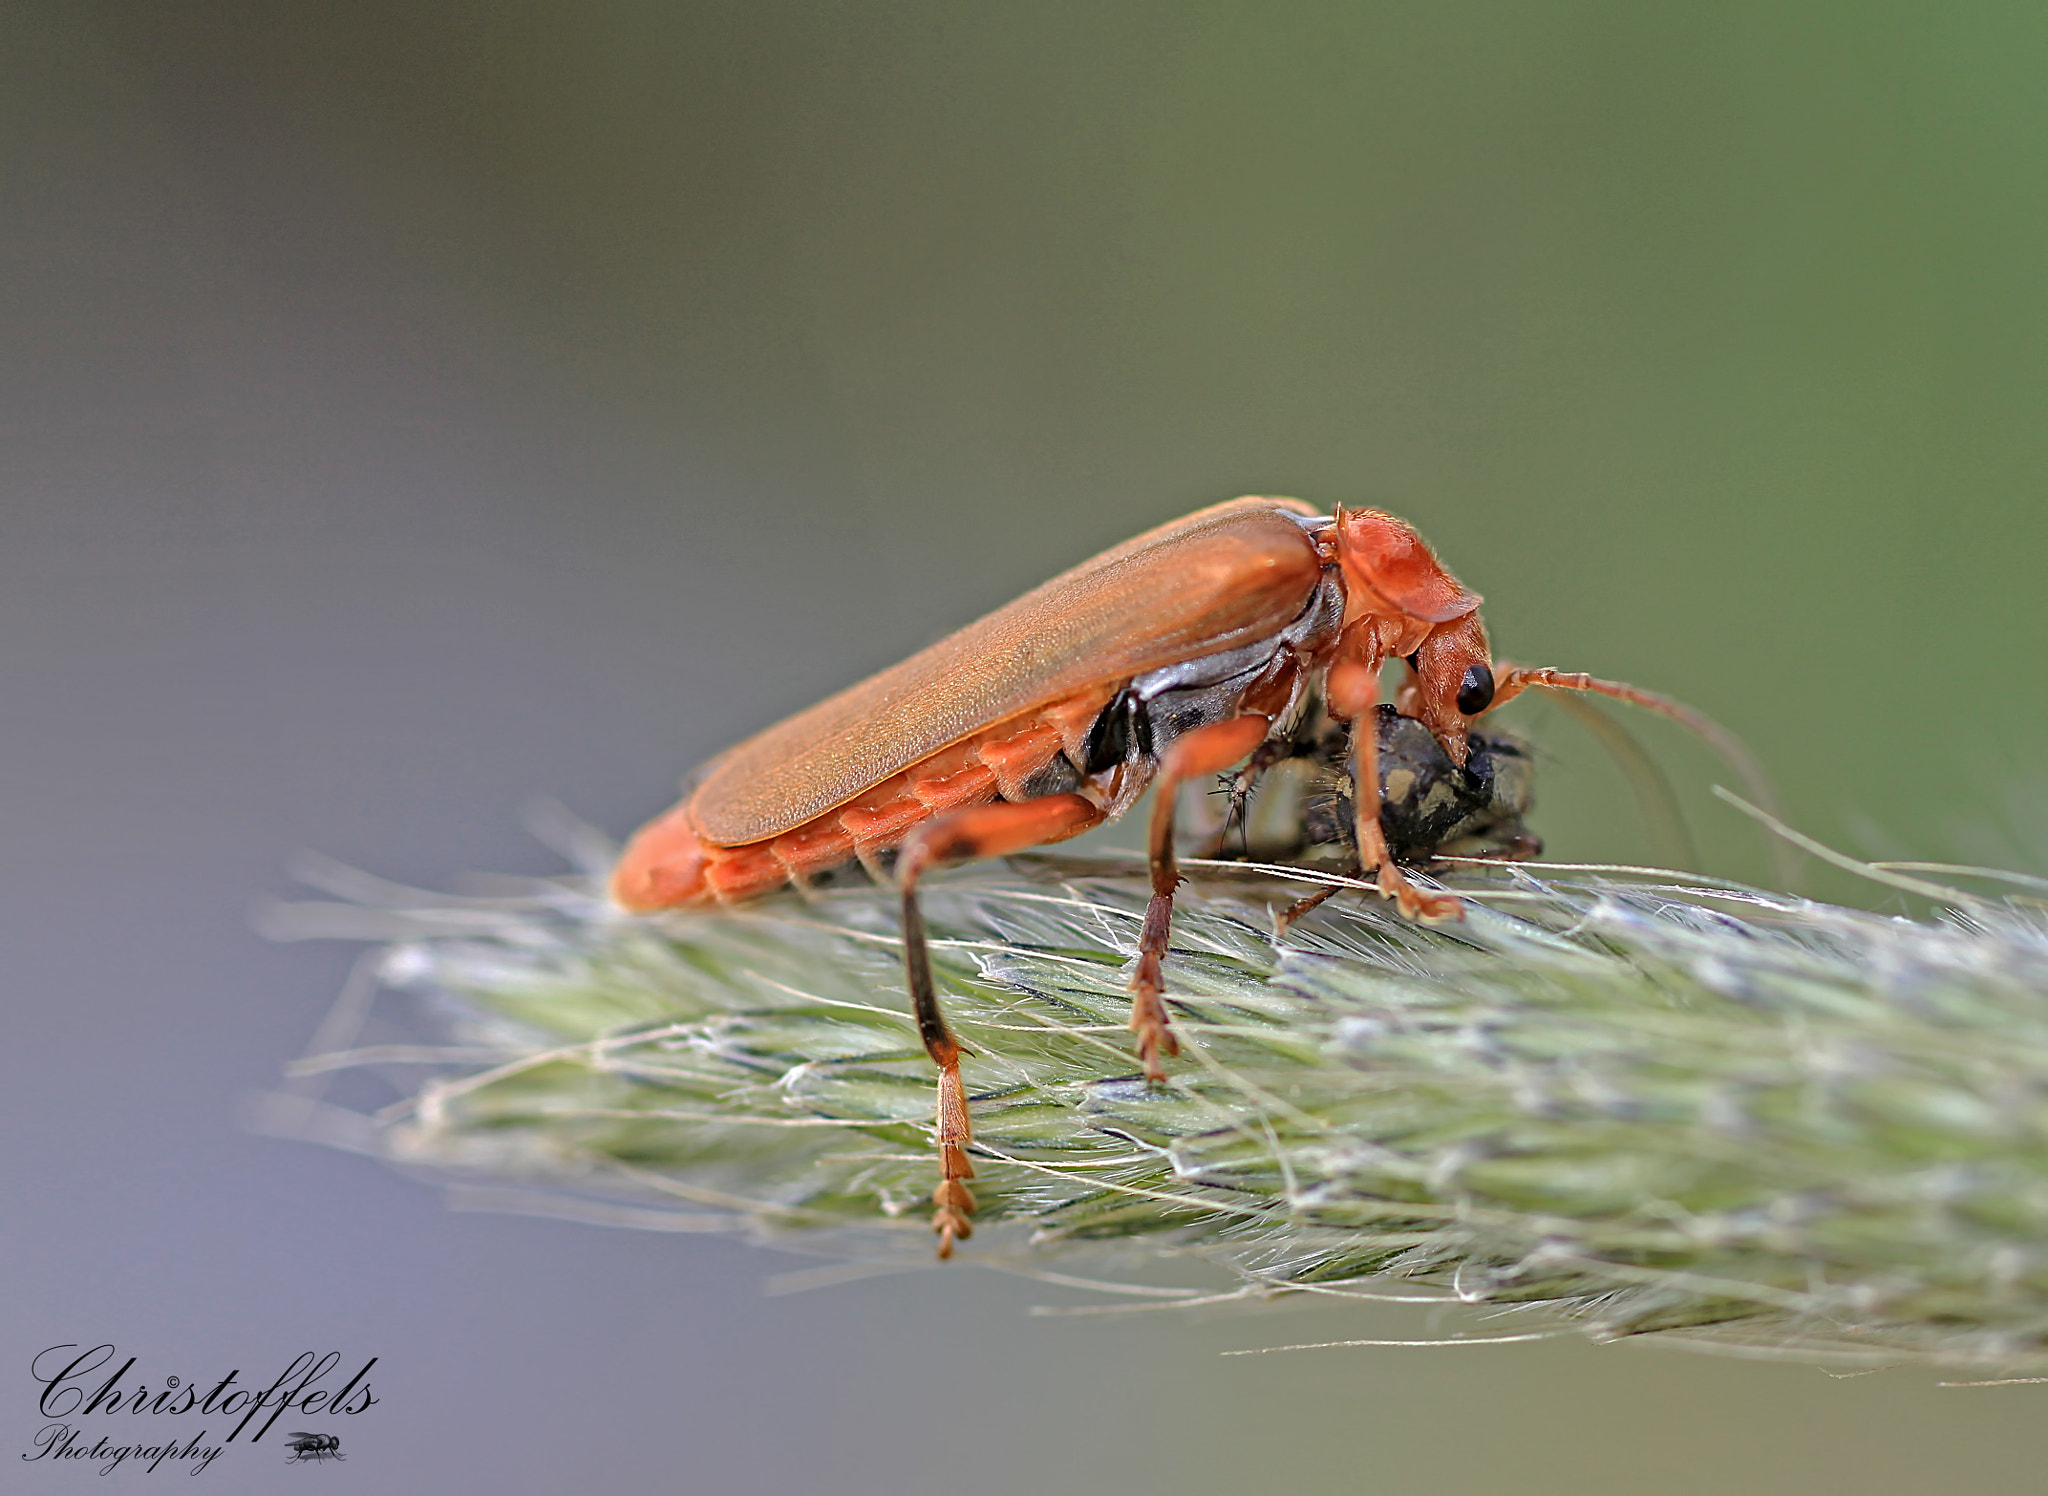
x: 1631, y: 1103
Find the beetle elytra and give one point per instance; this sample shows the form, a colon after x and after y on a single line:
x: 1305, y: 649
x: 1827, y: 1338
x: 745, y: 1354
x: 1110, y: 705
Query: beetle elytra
x: 1192, y: 648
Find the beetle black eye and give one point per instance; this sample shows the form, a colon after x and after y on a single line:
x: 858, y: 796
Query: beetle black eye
x: 1475, y: 691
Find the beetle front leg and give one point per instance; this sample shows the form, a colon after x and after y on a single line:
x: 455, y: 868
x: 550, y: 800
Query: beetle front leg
x: 1354, y: 689
x: 963, y: 835
x: 1206, y: 750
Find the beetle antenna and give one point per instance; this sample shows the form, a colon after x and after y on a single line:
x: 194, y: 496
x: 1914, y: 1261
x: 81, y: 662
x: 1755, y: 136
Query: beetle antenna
x: 1514, y: 679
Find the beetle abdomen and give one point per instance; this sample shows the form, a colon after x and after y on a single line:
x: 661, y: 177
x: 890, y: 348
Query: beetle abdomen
x: 670, y: 863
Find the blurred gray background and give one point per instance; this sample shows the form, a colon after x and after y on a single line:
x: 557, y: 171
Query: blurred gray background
x: 409, y: 409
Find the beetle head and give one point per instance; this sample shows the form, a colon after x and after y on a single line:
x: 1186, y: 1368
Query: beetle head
x: 1453, y: 681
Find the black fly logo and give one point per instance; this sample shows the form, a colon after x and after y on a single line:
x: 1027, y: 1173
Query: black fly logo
x: 314, y: 1447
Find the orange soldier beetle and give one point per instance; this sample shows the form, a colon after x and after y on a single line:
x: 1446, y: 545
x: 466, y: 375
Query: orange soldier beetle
x: 1174, y: 656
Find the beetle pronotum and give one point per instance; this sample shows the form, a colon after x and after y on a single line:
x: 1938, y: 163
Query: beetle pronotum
x: 1173, y: 656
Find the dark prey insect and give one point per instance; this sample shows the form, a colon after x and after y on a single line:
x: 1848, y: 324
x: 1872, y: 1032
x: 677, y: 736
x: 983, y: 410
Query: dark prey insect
x: 1172, y: 657
x: 1430, y: 807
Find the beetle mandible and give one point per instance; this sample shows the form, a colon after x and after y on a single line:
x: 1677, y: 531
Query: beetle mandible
x: 1176, y: 655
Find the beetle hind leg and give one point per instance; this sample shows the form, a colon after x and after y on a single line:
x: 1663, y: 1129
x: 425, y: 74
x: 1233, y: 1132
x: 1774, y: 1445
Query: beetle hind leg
x: 952, y: 1201
x: 980, y: 831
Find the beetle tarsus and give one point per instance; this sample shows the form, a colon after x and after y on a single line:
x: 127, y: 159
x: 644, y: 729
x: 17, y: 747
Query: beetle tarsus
x: 953, y: 1215
x: 1155, y: 1035
x: 1416, y: 903
x: 1149, y: 1018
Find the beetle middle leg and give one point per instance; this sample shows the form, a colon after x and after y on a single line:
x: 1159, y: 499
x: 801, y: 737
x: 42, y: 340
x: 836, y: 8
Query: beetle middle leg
x: 959, y: 836
x: 1304, y: 906
x: 1206, y: 750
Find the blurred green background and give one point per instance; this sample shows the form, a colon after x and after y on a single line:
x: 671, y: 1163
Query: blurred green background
x: 407, y: 408
x: 1710, y: 343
